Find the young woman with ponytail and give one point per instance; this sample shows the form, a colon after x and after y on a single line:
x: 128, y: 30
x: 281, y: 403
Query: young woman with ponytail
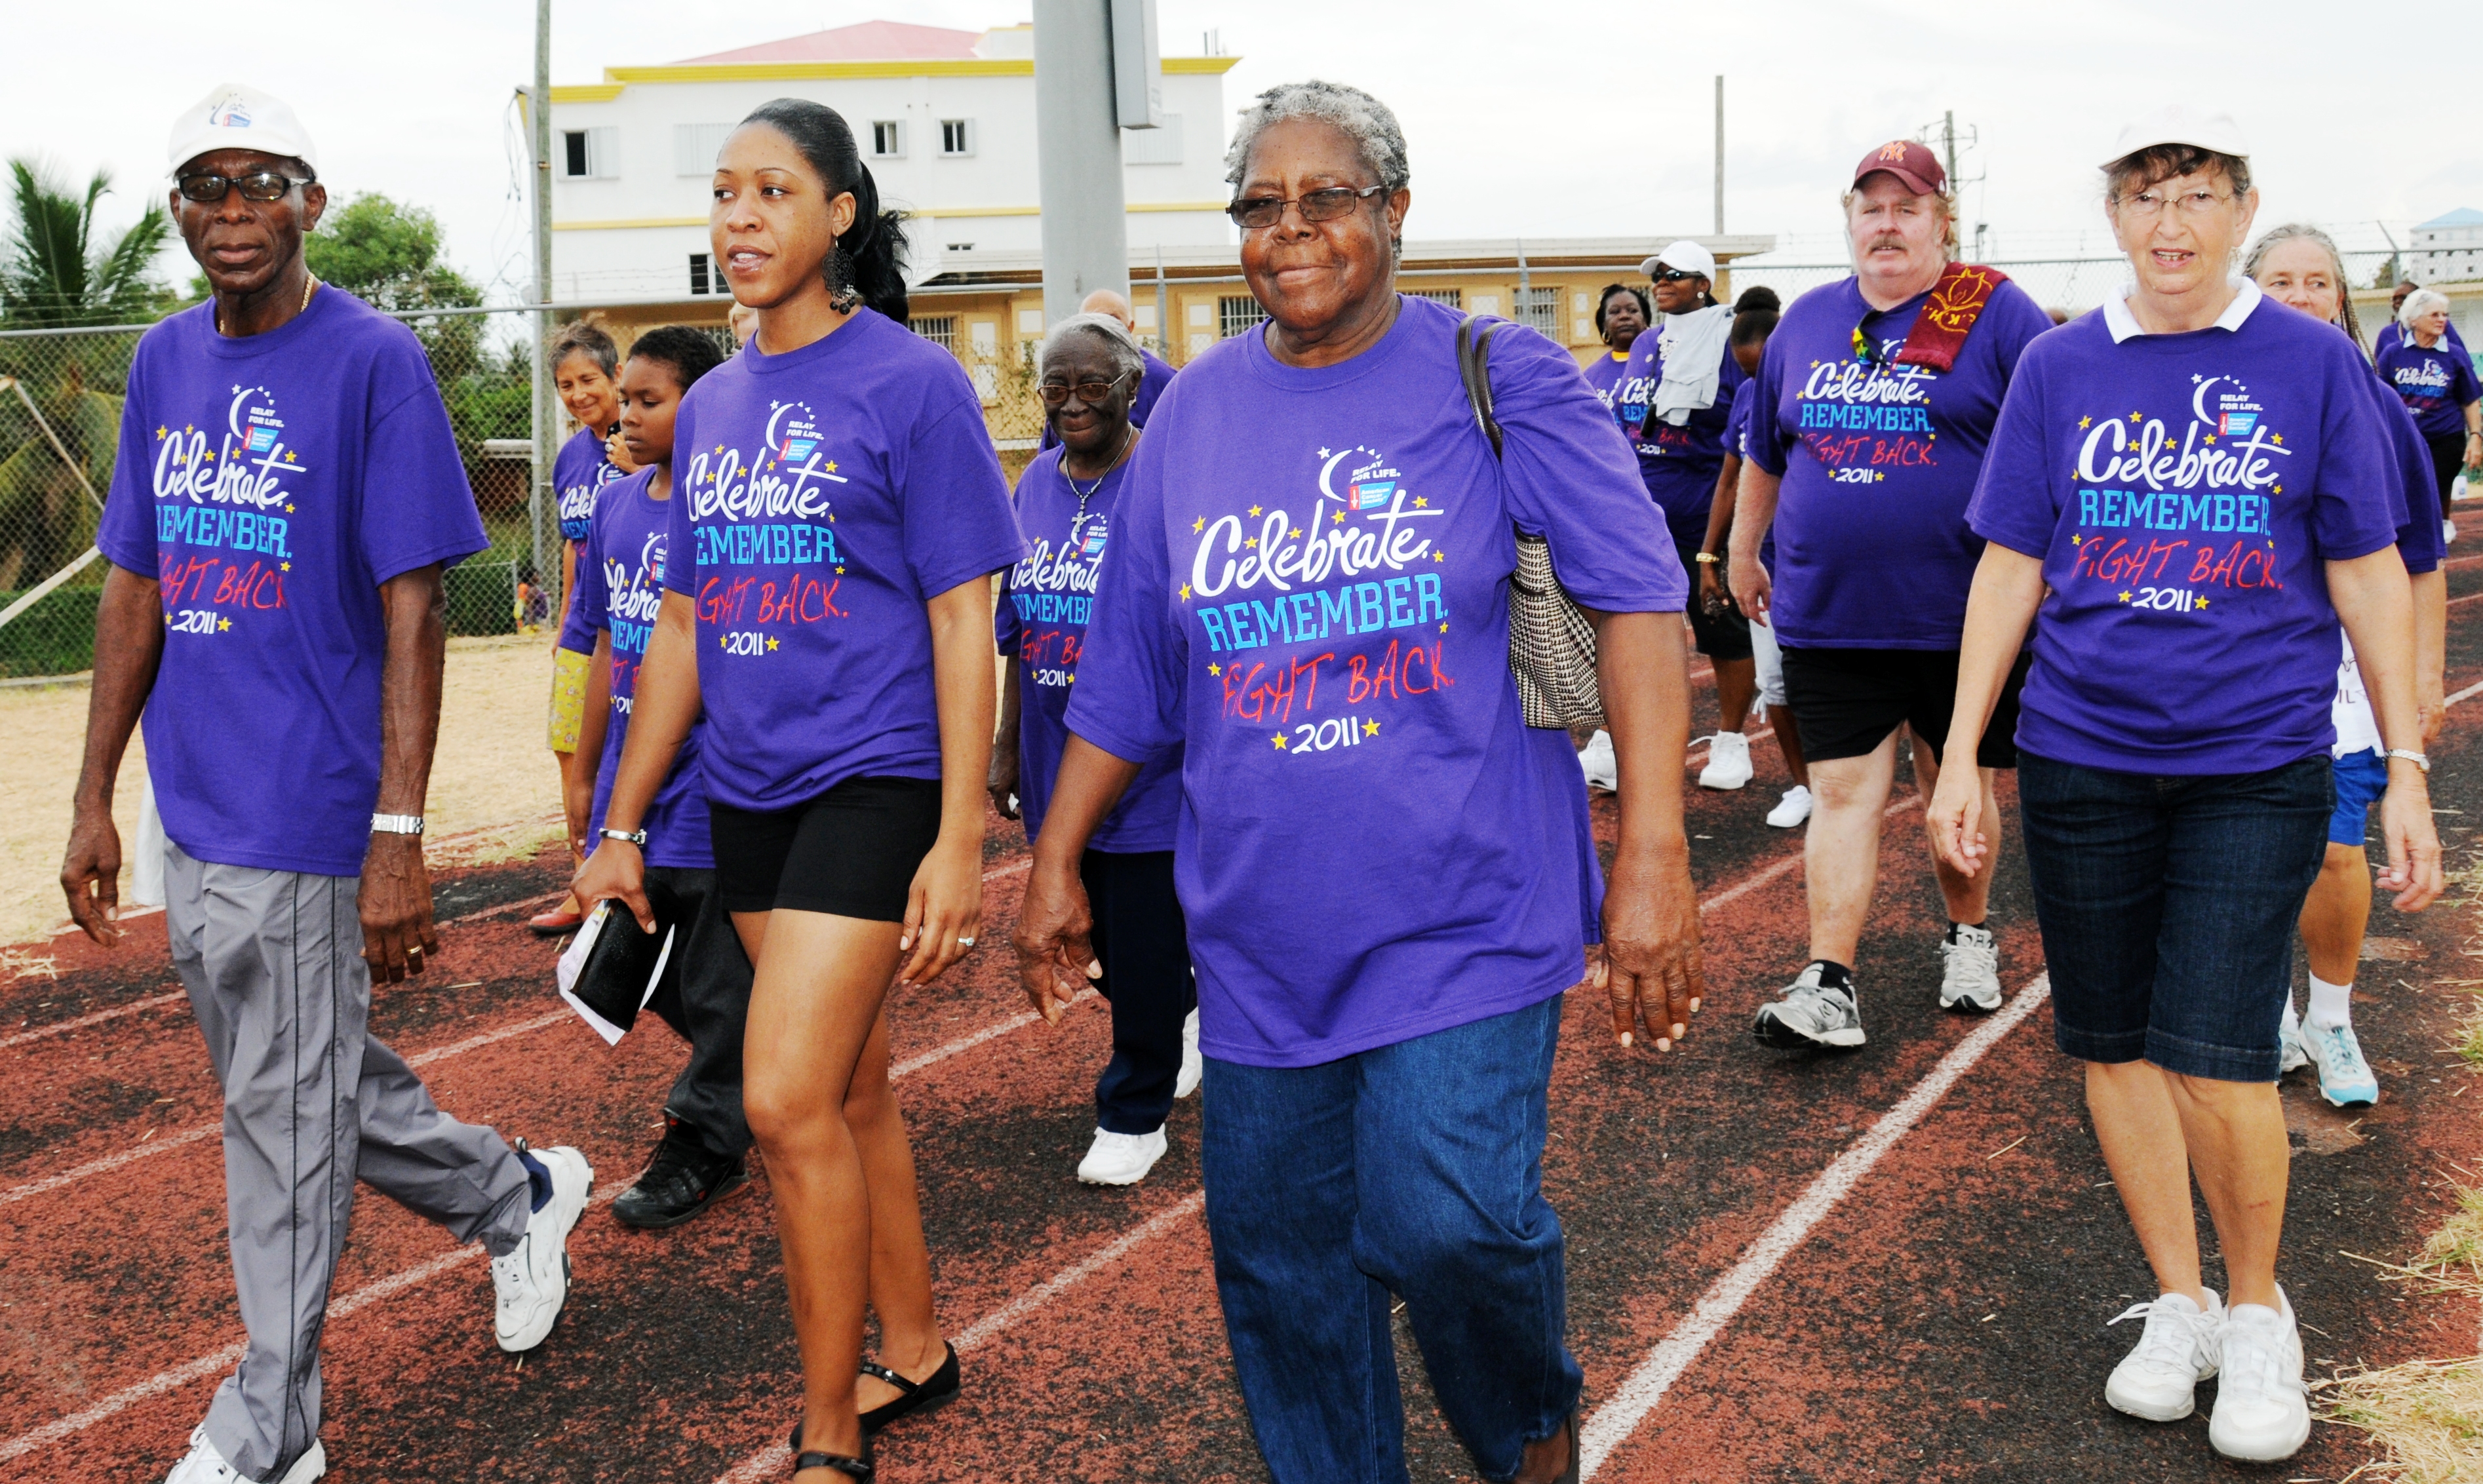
x: 826, y: 604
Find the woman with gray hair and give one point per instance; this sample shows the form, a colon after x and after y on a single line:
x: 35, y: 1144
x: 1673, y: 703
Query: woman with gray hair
x: 2437, y: 382
x: 1067, y: 501
x: 1385, y: 871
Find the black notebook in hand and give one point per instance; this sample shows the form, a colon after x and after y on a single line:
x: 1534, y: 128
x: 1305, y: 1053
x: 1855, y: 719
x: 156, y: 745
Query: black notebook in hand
x: 610, y: 968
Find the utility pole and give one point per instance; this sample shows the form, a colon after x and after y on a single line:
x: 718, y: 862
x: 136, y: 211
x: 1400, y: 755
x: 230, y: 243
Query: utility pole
x: 1078, y: 149
x: 1948, y: 143
x: 1719, y: 154
x: 539, y: 502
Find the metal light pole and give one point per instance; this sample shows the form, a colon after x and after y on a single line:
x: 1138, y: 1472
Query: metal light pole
x: 539, y: 501
x: 1719, y: 154
x: 1078, y: 144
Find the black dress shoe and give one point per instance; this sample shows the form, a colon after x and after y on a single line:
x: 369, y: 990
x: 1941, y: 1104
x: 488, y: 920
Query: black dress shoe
x: 683, y: 1179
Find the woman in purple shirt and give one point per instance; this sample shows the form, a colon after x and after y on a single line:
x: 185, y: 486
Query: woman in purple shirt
x: 2189, y: 486
x: 2435, y: 376
x: 1621, y: 315
x: 1380, y: 864
x: 837, y: 513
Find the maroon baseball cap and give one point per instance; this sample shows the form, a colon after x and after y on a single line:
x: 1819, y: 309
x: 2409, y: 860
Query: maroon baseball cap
x: 1910, y: 161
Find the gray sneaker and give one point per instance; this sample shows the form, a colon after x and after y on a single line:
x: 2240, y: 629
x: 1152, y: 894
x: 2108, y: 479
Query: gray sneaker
x: 1970, y: 971
x: 1811, y: 1014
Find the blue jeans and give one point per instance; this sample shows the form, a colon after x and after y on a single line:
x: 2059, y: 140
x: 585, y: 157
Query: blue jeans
x: 2168, y: 905
x: 1415, y: 1169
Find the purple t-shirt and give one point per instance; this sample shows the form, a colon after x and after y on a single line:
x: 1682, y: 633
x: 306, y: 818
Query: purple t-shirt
x: 822, y: 497
x: 1678, y: 465
x: 1736, y: 443
x: 1877, y: 463
x: 269, y: 484
x: 2392, y: 332
x: 2418, y: 536
x: 1046, y: 601
x: 2435, y: 384
x: 579, y: 471
x: 2184, y: 492
x: 1307, y: 592
x: 1151, y: 382
x: 1604, y: 376
x: 620, y: 587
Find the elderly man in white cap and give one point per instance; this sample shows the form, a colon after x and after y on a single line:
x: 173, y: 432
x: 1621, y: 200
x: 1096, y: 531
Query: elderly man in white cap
x: 287, y: 495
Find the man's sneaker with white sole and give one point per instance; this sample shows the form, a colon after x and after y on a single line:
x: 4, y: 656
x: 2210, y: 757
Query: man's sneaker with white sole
x: 532, y: 1281
x: 2159, y: 1380
x: 204, y: 1465
x: 2261, y: 1415
x: 1120, y: 1158
x: 2289, y: 1053
x: 1192, y: 1067
x: 1602, y: 765
x: 1969, y: 969
x: 1728, y: 761
x: 2346, y: 1079
x: 1791, y: 810
x: 1811, y: 1014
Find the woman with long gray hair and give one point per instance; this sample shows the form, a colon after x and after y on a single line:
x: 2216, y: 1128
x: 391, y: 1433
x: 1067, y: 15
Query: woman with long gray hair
x: 1384, y: 869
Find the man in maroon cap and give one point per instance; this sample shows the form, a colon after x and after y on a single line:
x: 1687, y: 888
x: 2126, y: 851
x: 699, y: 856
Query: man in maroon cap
x: 1874, y: 403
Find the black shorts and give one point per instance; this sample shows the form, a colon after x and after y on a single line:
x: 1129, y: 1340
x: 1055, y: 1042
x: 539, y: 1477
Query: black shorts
x: 1723, y: 635
x: 851, y: 852
x: 1846, y: 702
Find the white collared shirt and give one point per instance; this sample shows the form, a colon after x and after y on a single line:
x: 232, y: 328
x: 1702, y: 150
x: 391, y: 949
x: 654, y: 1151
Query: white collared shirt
x: 2122, y: 323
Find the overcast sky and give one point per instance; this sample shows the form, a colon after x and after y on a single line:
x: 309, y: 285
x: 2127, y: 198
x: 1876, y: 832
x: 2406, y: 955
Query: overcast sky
x: 1541, y: 119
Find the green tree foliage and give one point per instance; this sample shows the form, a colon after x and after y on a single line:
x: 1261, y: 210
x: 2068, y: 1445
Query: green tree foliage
x: 387, y: 255
x: 55, y: 271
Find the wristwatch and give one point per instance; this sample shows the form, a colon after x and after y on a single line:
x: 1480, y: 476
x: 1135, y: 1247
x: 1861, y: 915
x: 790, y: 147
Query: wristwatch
x: 396, y: 823
x: 638, y: 838
x: 2418, y: 759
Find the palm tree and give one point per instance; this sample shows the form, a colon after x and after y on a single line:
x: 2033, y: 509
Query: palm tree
x: 54, y: 272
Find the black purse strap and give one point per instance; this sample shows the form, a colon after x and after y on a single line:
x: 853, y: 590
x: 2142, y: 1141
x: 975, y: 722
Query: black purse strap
x: 1474, y: 368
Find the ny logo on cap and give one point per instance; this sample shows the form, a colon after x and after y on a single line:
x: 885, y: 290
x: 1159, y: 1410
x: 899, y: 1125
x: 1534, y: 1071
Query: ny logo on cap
x: 1893, y: 152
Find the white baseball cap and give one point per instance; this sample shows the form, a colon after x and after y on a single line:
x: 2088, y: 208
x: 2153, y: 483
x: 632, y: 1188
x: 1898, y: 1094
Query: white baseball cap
x: 1684, y: 254
x: 235, y: 115
x: 2180, y: 124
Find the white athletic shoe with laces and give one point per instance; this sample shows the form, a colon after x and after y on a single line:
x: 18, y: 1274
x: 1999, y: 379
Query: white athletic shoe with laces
x: 1728, y: 761
x: 1791, y: 810
x: 1970, y: 971
x: 2178, y: 1349
x: 1120, y: 1158
x: 2288, y: 1046
x: 2346, y: 1079
x: 1602, y: 768
x: 204, y: 1465
x: 2261, y: 1415
x: 1811, y: 1014
x: 2449, y: 532
x: 1192, y: 1066
x: 532, y: 1281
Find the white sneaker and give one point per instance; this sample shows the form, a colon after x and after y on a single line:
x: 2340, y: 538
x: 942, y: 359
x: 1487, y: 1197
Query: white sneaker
x: 1192, y: 1067
x: 2288, y: 1045
x: 1810, y: 1014
x: 1603, y: 769
x: 2449, y: 532
x: 204, y: 1465
x: 1971, y: 971
x: 2346, y: 1079
x: 1120, y: 1158
x: 2261, y: 1415
x: 2159, y: 1380
x: 532, y: 1281
x: 1728, y: 761
x: 1791, y: 810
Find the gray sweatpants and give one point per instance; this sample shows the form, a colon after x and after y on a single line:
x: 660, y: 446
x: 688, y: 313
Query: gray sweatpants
x: 273, y: 963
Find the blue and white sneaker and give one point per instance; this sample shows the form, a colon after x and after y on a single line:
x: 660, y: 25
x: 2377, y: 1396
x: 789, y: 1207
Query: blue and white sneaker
x: 2345, y: 1079
x: 2288, y: 1046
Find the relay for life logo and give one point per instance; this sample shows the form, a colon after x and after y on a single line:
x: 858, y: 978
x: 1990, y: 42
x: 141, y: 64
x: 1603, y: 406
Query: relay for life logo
x: 224, y: 512
x: 1352, y: 592
x: 767, y: 549
x: 2176, y: 516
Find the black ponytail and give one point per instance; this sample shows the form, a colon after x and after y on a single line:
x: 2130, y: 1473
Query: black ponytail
x: 869, y: 262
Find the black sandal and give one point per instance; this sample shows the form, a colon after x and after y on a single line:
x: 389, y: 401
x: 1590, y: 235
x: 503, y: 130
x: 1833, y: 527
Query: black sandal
x: 927, y: 1395
x: 856, y: 1468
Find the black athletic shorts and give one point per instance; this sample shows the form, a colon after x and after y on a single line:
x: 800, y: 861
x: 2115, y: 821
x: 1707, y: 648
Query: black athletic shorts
x: 1846, y: 702
x: 1723, y: 635
x: 851, y: 852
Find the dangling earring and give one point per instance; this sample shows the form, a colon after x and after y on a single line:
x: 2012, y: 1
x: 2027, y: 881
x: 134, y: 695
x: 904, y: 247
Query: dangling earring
x: 842, y: 295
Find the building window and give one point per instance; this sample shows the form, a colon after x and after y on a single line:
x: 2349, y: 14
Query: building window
x: 1159, y: 145
x: 705, y: 275
x: 956, y: 136
x: 888, y: 139
x: 1454, y: 297
x: 1234, y: 315
x: 695, y: 147
x: 589, y: 154
x: 939, y: 330
x: 961, y: 246
x: 1540, y: 308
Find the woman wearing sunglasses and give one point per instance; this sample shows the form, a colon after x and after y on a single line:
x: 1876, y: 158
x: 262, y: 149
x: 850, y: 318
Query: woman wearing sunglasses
x: 1067, y: 503
x: 1386, y: 872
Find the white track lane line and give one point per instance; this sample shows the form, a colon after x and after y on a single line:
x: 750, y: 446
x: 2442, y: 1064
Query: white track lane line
x: 59, y: 1027
x: 771, y: 1460
x: 1617, y: 1419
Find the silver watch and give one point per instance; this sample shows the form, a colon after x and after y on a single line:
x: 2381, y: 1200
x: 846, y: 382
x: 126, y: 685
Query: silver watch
x: 396, y: 823
x: 638, y: 838
x: 2420, y: 760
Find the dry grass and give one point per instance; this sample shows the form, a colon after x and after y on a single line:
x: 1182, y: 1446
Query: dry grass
x: 2427, y: 1413
x: 494, y: 792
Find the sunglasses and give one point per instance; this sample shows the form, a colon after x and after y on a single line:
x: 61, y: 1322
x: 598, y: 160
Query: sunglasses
x: 265, y: 185
x: 1322, y: 205
x: 1054, y: 393
x: 1675, y: 275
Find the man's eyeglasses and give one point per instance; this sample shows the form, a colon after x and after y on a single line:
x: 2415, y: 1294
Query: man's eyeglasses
x: 265, y: 185
x: 1325, y: 204
x: 1054, y: 393
x: 2146, y: 205
x: 1676, y: 274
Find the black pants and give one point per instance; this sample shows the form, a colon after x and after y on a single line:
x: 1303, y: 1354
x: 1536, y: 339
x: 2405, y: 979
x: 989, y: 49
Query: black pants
x: 2447, y: 457
x: 704, y: 995
x: 1143, y: 944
